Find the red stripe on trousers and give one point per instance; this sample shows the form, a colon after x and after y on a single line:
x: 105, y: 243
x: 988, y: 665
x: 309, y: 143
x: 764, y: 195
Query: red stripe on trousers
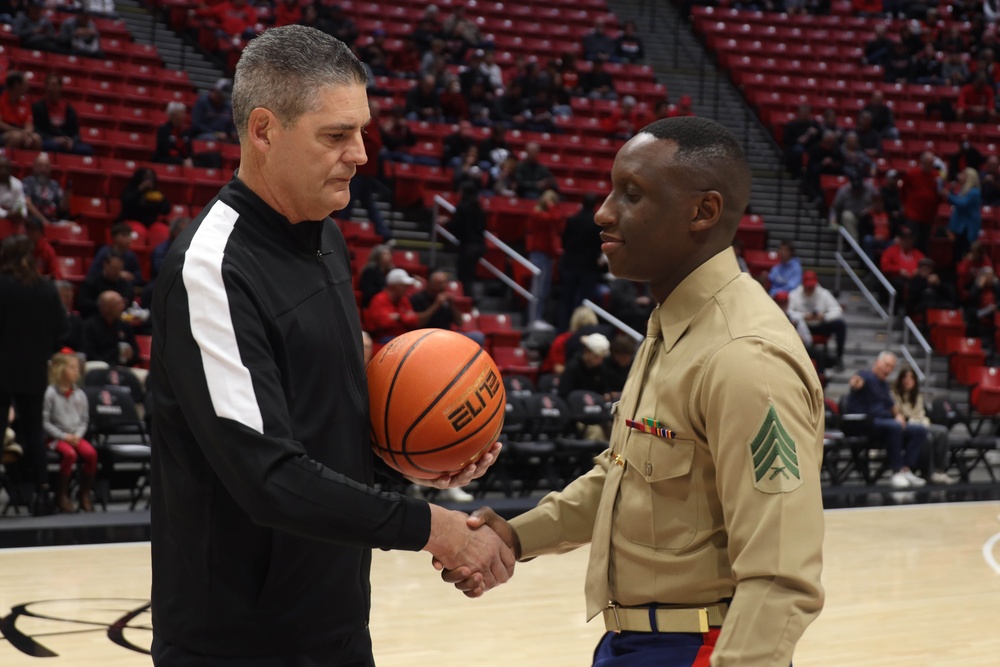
x: 704, y: 657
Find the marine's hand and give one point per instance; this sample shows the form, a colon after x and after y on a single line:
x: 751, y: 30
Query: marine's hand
x: 463, y: 578
x: 483, y: 559
x: 469, y: 473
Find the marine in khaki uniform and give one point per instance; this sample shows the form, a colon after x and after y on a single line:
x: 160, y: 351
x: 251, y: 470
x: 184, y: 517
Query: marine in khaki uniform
x: 706, y: 510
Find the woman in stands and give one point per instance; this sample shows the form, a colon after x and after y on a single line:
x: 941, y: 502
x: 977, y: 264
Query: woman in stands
x: 142, y: 200
x: 65, y: 416
x: 910, y: 401
x: 27, y: 340
x: 966, y: 212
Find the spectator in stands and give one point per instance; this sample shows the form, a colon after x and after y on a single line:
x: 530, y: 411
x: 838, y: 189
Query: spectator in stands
x: 287, y: 12
x: 494, y: 149
x: 922, y: 189
x: 954, y: 71
x: 631, y: 302
x: 212, y: 114
x: 876, y: 229
x: 682, y: 108
x: 851, y: 203
x: 990, y: 180
x: 786, y: 275
x: 581, y: 263
x: 510, y: 107
x: 798, y: 137
x: 372, y: 278
x: 13, y: 205
x: 142, y: 199
x: 925, y: 68
x: 468, y: 224
x: 78, y: 35
x: 34, y: 30
x: 480, y: 102
x: 436, y: 308
x: 878, y: 48
x: 398, y: 139
x: 28, y: 337
x: 820, y: 311
x: 103, y: 8
x: 468, y: 168
x: 882, y: 117
x: 869, y: 139
x: 106, y: 336
x: 531, y: 176
x: 233, y: 18
x: 625, y: 120
x: 56, y: 120
x: 598, y: 84
x: 824, y: 158
x: 976, y: 100
x: 618, y: 363
x: 856, y: 161
x: 828, y: 123
x: 586, y: 370
x: 374, y: 53
x: 870, y: 395
x: 927, y: 290
x: 628, y: 46
x: 503, y: 178
x: 598, y: 43
x: 390, y: 314
x: 910, y: 403
x: 900, y: 261
x: 980, y: 312
x: 121, y: 240
x: 17, y: 128
x: 738, y: 251
x: 966, y: 212
x: 65, y: 417
x: 44, y: 253
x: 43, y: 196
x: 111, y: 279
x: 968, y: 269
x: 453, y: 105
x: 73, y: 337
x: 967, y: 156
x: 338, y: 23
x: 543, y: 245
x: 799, y: 323
x: 177, y: 225
x: 430, y: 59
x: 461, y: 32
x: 423, y: 101
x: 406, y: 60
x: 582, y: 322
x: 173, y: 138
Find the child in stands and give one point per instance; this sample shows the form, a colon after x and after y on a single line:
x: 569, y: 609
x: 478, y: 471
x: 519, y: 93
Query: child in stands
x: 65, y: 416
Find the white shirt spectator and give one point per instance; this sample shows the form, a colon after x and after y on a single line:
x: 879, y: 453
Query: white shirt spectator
x: 821, y: 301
x: 12, y: 199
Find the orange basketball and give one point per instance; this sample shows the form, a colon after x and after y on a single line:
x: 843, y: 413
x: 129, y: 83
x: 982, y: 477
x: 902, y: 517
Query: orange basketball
x: 437, y: 402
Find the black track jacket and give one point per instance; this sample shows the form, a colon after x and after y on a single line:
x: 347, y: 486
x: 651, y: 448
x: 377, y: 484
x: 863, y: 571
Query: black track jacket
x: 263, y: 515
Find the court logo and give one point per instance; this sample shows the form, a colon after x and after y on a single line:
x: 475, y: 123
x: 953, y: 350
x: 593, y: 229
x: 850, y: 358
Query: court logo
x: 125, y: 621
x: 775, y: 459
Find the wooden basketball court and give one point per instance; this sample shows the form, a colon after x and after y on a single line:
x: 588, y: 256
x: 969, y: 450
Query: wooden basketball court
x: 912, y: 585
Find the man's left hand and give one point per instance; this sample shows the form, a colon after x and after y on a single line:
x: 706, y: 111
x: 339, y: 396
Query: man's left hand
x: 463, y: 477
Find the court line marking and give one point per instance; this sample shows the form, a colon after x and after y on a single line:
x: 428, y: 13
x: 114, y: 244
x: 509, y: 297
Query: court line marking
x: 988, y: 549
x: 71, y: 547
x: 914, y: 506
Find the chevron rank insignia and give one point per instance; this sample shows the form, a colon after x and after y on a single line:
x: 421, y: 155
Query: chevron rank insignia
x: 775, y: 459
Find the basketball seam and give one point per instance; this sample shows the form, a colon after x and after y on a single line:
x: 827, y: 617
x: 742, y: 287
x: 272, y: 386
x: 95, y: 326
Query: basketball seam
x: 500, y: 403
x: 392, y: 385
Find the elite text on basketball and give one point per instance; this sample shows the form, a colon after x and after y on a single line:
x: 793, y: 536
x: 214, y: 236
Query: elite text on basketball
x: 473, y: 402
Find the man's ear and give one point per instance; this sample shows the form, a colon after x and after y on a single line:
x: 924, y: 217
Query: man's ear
x: 707, y: 211
x: 260, y: 127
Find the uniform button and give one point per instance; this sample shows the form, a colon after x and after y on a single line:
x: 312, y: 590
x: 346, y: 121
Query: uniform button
x: 649, y: 468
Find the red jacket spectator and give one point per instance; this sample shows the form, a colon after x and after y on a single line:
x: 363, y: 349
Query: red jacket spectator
x: 545, y: 232
x: 973, y: 95
x: 900, y: 260
x: 683, y: 108
x: 234, y: 17
x: 389, y: 313
x: 372, y: 138
x: 626, y: 120
x: 921, y: 192
x: 45, y: 259
x: 968, y: 268
x: 287, y: 12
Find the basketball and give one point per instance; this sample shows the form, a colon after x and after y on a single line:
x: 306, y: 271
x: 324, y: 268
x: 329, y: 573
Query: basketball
x: 437, y: 402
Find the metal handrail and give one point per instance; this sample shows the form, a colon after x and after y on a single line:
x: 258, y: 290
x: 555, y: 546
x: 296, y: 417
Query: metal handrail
x: 887, y: 317
x: 618, y: 324
x: 911, y: 328
x: 438, y: 229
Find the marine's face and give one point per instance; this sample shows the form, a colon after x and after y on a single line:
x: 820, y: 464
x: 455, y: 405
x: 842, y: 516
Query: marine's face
x: 311, y: 162
x: 644, y: 220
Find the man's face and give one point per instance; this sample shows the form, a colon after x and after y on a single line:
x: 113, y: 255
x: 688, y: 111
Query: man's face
x: 311, y: 163
x: 111, y: 306
x: 123, y: 240
x: 437, y: 283
x: 808, y: 289
x: 53, y: 87
x: 784, y: 253
x: 884, y: 366
x: 645, y: 220
x: 42, y: 167
x: 113, y: 268
x: 397, y: 291
x: 591, y: 359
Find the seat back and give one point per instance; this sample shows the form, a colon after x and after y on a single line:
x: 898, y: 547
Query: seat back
x: 548, y: 415
x: 588, y: 407
x: 520, y: 386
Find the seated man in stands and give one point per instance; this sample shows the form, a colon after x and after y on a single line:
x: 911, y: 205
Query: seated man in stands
x: 532, y: 178
x: 235, y: 18
x: 45, y: 254
x: 598, y: 43
x: 618, y: 363
x: 798, y: 137
x: 852, y: 202
x: 869, y: 139
x: 78, y: 35
x: 34, y: 29
x: 212, y: 115
x: 682, y: 108
x: 871, y: 395
x: 436, y: 308
x: 825, y: 157
x: 56, y: 121
x: 598, y: 84
x: 625, y: 120
x: 390, y: 314
x: 46, y: 202
x: 586, y: 369
x: 882, y: 118
x: 900, y: 262
x: 111, y: 279
x: 106, y: 337
x: 17, y: 127
x: 820, y: 311
x: 968, y: 269
x: 13, y: 205
x: 423, y: 101
x: 786, y: 275
x: 121, y: 240
x: 976, y: 101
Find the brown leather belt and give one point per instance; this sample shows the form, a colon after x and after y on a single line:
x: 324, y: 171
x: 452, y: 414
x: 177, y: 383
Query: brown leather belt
x: 668, y: 619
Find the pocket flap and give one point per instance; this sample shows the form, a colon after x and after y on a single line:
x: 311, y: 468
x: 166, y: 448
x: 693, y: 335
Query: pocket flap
x: 656, y: 458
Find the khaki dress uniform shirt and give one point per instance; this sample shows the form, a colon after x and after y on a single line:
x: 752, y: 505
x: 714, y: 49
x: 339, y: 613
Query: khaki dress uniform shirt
x: 726, y: 505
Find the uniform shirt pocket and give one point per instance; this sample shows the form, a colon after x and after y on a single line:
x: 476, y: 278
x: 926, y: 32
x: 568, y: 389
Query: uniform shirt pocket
x: 657, y: 506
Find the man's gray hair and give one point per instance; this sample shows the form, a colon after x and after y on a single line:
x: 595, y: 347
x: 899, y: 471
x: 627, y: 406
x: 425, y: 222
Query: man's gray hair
x: 885, y: 355
x: 283, y: 70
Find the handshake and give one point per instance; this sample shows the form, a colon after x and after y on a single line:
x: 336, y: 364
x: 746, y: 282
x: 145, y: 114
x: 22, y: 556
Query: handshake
x: 476, y: 552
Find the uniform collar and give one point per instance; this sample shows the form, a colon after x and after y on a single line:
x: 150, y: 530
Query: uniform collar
x: 688, y: 298
x: 269, y: 221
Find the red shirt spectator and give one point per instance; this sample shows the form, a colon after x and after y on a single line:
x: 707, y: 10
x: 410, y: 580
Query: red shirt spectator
x: 921, y: 192
x: 969, y: 267
x: 683, y: 108
x: 976, y: 99
x: 45, y: 254
x: 389, y: 313
x: 626, y: 120
x: 901, y: 258
x: 14, y: 108
x: 234, y: 17
x: 287, y: 12
x: 545, y: 228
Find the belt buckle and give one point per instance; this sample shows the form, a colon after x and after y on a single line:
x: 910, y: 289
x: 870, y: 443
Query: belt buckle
x: 614, y: 610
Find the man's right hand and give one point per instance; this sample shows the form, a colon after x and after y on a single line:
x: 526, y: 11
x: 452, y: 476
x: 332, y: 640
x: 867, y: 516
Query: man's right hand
x: 478, y: 556
x: 484, y: 517
x: 856, y: 382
